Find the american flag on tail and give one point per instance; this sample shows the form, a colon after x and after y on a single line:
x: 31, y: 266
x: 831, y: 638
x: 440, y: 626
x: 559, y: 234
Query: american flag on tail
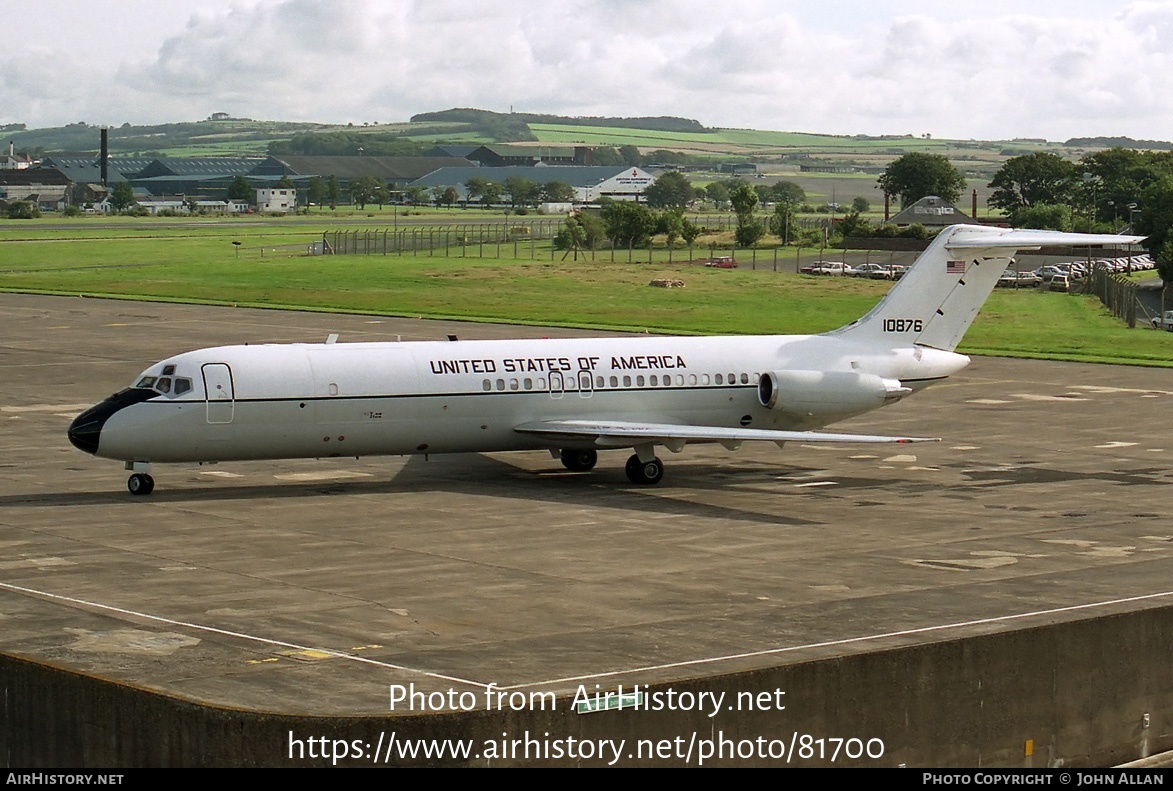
x: 955, y: 267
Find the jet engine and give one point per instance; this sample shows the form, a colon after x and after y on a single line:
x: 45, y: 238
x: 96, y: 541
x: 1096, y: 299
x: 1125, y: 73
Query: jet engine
x: 812, y: 393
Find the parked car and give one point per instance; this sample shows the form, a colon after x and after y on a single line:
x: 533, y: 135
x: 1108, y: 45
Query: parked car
x: 828, y: 268
x: 1164, y: 322
x: 873, y: 271
x: 723, y: 262
x: 1059, y: 283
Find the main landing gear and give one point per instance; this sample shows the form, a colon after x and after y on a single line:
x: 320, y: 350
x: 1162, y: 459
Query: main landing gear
x: 644, y: 473
x: 579, y: 460
x: 140, y: 483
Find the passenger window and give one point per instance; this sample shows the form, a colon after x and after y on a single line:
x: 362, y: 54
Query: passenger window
x: 627, y: 381
x: 639, y: 381
x: 704, y: 379
x: 541, y: 384
x: 614, y: 381
x: 182, y: 386
x: 679, y: 379
x: 488, y: 385
x: 529, y: 384
x: 745, y: 379
x: 655, y: 381
x: 692, y: 379
x: 600, y: 382
x: 732, y: 379
x: 513, y: 384
x: 500, y: 384
x: 720, y: 379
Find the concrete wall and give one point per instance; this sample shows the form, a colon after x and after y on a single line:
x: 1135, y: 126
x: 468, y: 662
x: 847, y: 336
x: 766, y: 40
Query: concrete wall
x: 1079, y: 692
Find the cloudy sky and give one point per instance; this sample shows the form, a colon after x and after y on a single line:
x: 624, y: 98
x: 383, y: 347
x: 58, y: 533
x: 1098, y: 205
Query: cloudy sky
x: 995, y: 70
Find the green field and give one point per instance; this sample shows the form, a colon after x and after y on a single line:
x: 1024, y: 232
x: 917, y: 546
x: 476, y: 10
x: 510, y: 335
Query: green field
x: 200, y: 264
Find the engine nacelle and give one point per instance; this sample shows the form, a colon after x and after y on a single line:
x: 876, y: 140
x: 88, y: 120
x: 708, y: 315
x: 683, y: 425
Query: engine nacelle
x: 827, y: 392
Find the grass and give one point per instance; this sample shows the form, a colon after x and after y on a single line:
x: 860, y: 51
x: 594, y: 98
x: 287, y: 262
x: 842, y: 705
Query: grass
x: 198, y: 263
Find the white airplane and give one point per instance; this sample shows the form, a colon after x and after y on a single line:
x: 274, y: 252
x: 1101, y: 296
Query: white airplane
x: 572, y: 397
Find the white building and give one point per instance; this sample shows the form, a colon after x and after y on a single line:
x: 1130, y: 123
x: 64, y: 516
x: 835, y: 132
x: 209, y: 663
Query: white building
x: 277, y: 199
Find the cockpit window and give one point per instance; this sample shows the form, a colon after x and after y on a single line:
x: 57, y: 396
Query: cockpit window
x: 163, y: 385
x: 168, y: 370
x: 182, y: 385
x: 147, y: 382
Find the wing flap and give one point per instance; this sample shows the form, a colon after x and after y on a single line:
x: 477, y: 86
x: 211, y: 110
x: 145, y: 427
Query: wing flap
x: 621, y: 434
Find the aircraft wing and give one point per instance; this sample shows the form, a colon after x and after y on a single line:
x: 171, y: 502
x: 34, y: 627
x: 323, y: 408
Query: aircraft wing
x: 621, y: 434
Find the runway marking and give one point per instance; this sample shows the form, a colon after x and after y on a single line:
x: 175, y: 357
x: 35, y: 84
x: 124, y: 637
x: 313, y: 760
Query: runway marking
x: 815, y: 483
x: 327, y: 475
x: 1102, y: 389
x: 901, y: 458
x: 46, y: 408
x: 987, y: 401
x: 1117, y: 445
x: 1037, y: 397
x: 845, y: 641
x: 239, y: 635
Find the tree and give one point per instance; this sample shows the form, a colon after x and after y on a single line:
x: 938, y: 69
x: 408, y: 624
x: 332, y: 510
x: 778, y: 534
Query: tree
x: 521, y: 191
x: 669, y: 190
x: 913, y: 176
x: 316, y: 190
x: 449, y: 196
x: 627, y: 223
x: 1164, y: 262
x: 491, y: 193
x: 333, y: 191
x: 242, y: 190
x: 718, y: 193
x: 363, y: 190
x: 788, y: 191
x: 474, y: 187
x: 1045, y: 216
x: 415, y: 194
x: 285, y: 183
x: 860, y: 204
x: 1156, y: 216
x: 557, y: 192
x: 745, y: 199
x: 1033, y: 179
x: 631, y: 155
x: 782, y: 221
x: 25, y: 210
x: 122, y: 196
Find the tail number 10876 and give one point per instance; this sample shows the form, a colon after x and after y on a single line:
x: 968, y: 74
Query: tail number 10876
x: 903, y: 325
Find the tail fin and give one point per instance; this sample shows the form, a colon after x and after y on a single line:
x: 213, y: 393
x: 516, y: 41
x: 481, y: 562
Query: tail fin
x: 936, y: 301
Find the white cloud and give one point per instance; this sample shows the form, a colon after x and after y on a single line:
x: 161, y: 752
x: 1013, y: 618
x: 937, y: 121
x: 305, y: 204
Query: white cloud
x: 1054, y: 69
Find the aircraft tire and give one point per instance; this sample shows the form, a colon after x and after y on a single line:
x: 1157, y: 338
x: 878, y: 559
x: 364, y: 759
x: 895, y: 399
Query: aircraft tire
x: 140, y: 484
x: 579, y: 460
x: 644, y: 474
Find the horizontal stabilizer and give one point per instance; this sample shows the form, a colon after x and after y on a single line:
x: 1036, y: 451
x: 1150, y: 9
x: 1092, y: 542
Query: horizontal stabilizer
x: 977, y: 237
x: 619, y: 434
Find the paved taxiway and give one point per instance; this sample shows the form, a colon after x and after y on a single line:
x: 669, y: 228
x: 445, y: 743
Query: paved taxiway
x: 309, y: 586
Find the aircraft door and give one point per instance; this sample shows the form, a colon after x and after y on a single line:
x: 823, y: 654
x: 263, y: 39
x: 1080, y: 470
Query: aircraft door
x: 586, y: 384
x: 557, y: 384
x: 221, y: 398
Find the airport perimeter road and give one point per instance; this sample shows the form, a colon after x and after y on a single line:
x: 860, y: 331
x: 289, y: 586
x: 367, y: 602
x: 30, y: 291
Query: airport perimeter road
x: 310, y: 586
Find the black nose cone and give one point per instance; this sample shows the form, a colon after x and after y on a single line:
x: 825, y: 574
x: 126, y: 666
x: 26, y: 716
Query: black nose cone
x: 86, y: 430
